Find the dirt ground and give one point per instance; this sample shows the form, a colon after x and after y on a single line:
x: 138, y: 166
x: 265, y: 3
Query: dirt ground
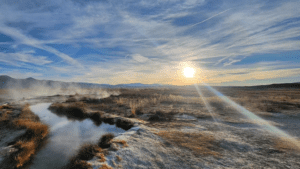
x: 176, y: 128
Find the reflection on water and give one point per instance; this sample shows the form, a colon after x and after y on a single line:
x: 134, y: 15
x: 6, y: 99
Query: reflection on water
x: 65, y: 137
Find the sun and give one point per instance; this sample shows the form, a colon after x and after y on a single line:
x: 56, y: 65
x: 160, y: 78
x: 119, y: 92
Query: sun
x: 188, y: 72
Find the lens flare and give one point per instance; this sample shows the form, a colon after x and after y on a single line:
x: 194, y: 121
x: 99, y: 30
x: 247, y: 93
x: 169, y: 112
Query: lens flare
x: 259, y: 121
x: 207, y: 105
x: 188, y: 72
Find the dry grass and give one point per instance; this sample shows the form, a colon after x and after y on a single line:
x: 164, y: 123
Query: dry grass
x: 105, y: 166
x: 173, y: 125
x: 102, y: 157
x: 119, y: 158
x: 28, y: 143
x: 26, y: 150
x: 78, y: 164
x: 87, y: 152
x: 105, y: 140
x: 35, y: 130
x: 26, y: 114
x: 199, y: 143
x: 5, y: 116
x: 123, y: 142
x: 160, y: 116
x: 6, y: 107
x: 71, y: 110
x: 124, y: 124
x: 285, y: 144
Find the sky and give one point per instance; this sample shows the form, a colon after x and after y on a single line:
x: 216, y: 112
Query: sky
x: 227, y: 42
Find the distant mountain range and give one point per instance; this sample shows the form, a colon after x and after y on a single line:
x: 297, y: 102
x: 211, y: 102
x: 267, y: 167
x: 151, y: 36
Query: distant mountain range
x: 9, y: 82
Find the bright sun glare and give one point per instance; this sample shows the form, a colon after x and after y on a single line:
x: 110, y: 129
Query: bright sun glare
x: 188, y: 72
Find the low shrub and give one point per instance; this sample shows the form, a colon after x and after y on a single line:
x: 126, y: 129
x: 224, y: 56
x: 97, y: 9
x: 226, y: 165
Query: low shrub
x: 35, y: 130
x: 162, y: 116
x: 78, y: 164
x: 104, y: 141
x: 75, y: 110
x: 87, y: 152
x: 6, y: 106
x: 71, y: 99
x: 25, y: 152
x: 108, y: 120
x: 124, y: 124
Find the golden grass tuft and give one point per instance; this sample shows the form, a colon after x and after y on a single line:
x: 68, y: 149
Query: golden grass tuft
x: 5, y: 107
x: 39, y: 130
x: 102, y: 157
x: 199, y: 143
x: 29, y: 142
x: 5, y: 116
x: 88, y: 151
x: 123, y: 142
x: 105, y: 140
x: 286, y: 144
x: 105, y: 166
x: 119, y: 158
x: 27, y: 149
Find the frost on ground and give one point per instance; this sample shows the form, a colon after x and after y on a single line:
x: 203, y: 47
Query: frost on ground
x: 238, y: 148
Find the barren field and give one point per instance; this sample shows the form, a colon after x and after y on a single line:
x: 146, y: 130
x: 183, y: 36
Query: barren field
x: 161, y: 128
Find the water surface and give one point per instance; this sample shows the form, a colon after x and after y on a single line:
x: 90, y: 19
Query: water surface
x: 65, y: 138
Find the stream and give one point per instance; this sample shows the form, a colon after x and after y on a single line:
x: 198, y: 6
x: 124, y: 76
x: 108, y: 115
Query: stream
x: 65, y: 137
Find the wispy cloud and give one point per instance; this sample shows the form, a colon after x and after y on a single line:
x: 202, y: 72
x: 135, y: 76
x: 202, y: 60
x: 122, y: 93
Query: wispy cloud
x: 126, y: 41
x: 14, y: 58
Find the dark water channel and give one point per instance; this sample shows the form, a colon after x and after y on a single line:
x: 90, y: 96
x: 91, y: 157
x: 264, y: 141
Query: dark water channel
x: 65, y: 138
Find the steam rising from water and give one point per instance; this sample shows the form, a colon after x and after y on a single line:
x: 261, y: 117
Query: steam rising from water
x: 42, y: 88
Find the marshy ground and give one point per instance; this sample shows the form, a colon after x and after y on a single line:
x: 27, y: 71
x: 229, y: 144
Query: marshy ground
x: 172, y: 128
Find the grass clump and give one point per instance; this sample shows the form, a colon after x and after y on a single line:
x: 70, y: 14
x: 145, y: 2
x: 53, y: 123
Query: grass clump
x: 105, y: 140
x: 35, y: 130
x: 5, y: 117
x: 75, y: 110
x: 123, y: 142
x: 105, y: 166
x: 124, y: 124
x: 87, y: 152
x: 102, y: 157
x: 6, y: 106
x: 160, y: 116
x: 286, y: 144
x: 199, y: 143
x: 78, y: 164
x: 97, y: 118
x: 119, y: 158
x: 26, y: 150
x: 108, y: 120
x: 28, y: 143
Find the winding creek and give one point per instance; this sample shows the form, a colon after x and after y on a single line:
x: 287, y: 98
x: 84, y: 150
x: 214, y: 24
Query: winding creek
x: 65, y: 138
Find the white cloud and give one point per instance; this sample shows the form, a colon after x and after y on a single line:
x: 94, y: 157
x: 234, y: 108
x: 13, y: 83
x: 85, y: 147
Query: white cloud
x: 139, y: 58
x: 12, y: 58
x: 155, y: 39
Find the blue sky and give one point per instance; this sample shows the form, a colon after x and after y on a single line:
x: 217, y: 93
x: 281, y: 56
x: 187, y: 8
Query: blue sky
x: 227, y: 42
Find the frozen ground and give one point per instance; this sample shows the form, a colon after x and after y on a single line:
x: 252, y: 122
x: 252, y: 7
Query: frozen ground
x: 242, y: 144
